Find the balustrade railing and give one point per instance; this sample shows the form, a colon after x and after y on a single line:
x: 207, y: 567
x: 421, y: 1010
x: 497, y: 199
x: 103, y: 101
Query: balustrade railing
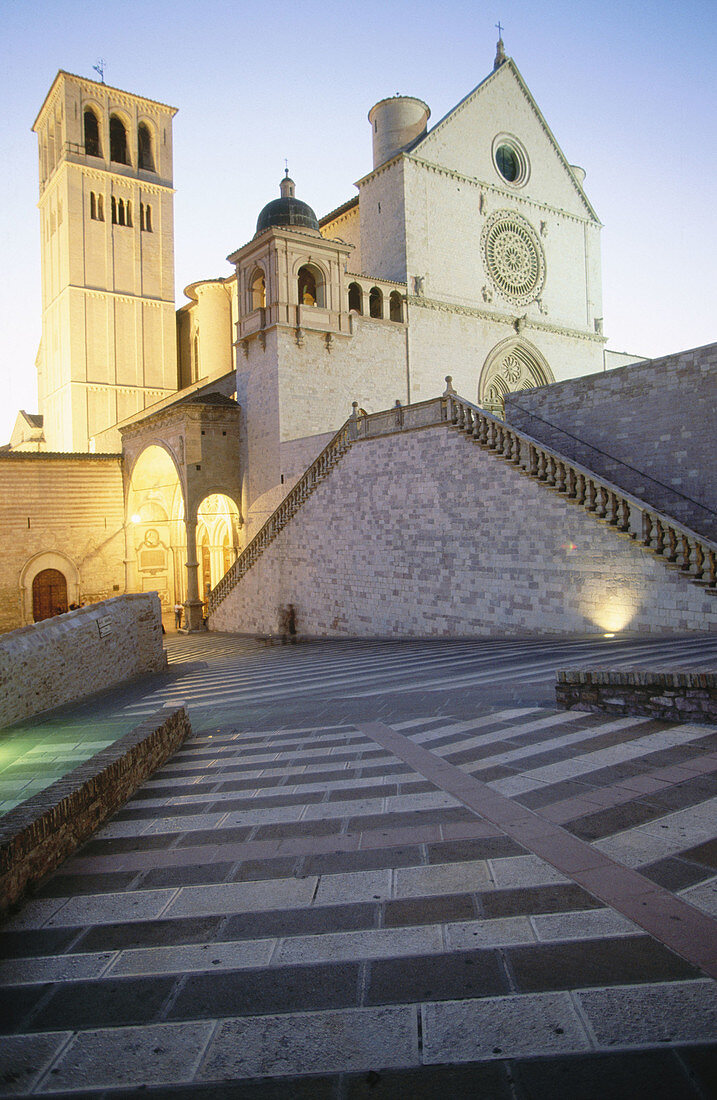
x: 306, y: 484
x: 693, y: 554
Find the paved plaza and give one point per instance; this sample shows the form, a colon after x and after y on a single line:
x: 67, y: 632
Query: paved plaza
x: 380, y: 870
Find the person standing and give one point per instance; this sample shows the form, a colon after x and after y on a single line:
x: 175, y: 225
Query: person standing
x: 178, y: 614
x: 291, y: 623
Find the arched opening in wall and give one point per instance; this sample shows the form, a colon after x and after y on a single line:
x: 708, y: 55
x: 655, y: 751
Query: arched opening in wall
x: 49, y: 594
x: 257, y: 290
x: 92, y: 134
x: 195, y: 357
x: 355, y: 297
x: 144, y: 148
x: 395, y: 306
x: 53, y: 565
x: 375, y: 302
x: 156, y: 535
x: 513, y: 365
x: 205, y: 561
x: 118, y: 141
x: 227, y: 555
x: 311, y: 286
x: 218, y: 538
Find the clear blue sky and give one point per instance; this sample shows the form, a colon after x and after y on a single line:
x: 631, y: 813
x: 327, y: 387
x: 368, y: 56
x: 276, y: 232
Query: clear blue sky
x: 628, y: 89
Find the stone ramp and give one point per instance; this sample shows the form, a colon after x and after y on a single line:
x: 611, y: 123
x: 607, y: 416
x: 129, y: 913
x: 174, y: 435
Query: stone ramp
x: 326, y: 912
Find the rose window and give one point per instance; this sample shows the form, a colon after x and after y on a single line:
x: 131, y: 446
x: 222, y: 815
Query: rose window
x: 511, y: 369
x: 513, y: 257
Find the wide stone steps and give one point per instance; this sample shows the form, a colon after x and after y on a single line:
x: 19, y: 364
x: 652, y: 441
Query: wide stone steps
x: 272, y: 906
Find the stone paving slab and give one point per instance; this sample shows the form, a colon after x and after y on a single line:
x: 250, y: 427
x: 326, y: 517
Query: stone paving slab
x: 407, y: 929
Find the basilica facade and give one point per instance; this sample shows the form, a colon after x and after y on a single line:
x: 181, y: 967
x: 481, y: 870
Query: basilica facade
x: 166, y: 438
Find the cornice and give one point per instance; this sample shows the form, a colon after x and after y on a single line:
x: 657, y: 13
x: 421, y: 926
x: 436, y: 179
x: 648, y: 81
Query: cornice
x: 504, y: 193
x: 121, y: 296
x: 499, y: 318
x: 100, y: 90
x: 510, y: 66
x: 289, y: 235
x: 374, y: 279
x: 104, y: 173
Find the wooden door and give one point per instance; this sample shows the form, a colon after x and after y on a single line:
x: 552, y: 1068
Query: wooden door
x: 49, y: 594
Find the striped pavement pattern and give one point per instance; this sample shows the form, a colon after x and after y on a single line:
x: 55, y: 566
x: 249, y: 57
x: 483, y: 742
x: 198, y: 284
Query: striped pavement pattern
x: 237, y: 670
x: 324, y: 910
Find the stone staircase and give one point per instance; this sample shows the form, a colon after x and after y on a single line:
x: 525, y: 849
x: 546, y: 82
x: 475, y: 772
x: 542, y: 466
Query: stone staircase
x: 358, y: 910
x: 677, y: 546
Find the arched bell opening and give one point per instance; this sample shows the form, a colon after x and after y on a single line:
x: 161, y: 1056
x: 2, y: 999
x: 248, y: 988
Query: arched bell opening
x: 257, y: 290
x: 93, y: 147
x: 311, y: 287
x: 355, y: 297
x: 118, y: 141
x: 375, y: 303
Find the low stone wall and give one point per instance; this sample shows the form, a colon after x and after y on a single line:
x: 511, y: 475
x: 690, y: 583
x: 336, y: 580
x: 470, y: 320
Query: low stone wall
x: 685, y: 696
x: 63, y: 659
x: 39, y: 834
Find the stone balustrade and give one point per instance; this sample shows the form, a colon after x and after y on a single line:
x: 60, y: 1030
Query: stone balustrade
x: 694, y: 556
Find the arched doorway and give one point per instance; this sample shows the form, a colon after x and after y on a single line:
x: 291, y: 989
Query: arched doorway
x: 217, y: 539
x: 512, y: 365
x: 49, y: 594
x: 155, y: 527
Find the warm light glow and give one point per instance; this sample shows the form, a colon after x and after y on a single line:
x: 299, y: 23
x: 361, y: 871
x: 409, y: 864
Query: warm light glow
x: 615, y: 612
x: 608, y: 635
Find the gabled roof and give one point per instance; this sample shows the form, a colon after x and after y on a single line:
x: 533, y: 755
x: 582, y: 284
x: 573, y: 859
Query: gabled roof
x: 343, y: 209
x: 509, y: 66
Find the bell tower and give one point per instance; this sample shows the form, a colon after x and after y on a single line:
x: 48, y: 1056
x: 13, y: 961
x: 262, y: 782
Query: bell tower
x: 108, y: 344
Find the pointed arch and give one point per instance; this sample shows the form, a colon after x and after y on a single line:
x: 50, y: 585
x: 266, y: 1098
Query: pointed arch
x: 514, y: 364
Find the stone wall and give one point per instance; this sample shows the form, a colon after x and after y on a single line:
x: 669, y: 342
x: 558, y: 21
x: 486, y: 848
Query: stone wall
x: 648, y: 427
x: 71, y: 656
x: 425, y: 534
x: 39, y: 834
x: 684, y: 696
x: 65, y: 512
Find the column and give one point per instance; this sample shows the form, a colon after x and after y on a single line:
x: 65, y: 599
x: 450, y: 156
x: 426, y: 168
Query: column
x: 193, y: 604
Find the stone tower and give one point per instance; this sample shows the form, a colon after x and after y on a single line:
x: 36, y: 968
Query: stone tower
x: 106, y: 213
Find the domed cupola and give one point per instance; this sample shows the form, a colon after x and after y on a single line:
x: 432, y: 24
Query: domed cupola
x: 287, y: 211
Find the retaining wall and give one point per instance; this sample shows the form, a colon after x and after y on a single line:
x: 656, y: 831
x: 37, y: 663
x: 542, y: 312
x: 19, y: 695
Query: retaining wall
x: 71, y: 656
x: 425, y: 534
x: 684, y: 696
x: 39, y: 834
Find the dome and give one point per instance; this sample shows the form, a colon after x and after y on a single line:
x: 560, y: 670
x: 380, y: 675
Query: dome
x: 287, y: 210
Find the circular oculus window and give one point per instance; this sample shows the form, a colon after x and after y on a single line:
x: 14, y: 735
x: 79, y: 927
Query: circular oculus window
x: 513, y: 257
x: 511, y: 160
